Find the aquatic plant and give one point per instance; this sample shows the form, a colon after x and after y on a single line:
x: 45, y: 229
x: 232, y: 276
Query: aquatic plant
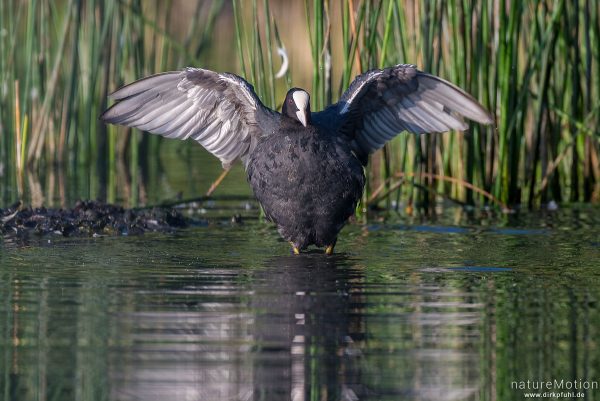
x: 534, y: 64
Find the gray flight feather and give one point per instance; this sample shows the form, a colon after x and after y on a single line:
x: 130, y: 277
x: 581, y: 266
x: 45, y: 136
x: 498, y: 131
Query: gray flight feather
x: 380, y: 104
x: 218, y: 110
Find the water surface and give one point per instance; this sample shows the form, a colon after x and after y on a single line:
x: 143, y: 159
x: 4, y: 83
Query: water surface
x: 413, y: 310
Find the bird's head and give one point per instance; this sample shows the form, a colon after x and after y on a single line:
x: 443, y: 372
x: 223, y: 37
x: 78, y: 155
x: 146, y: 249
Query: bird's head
x: 297, y: 105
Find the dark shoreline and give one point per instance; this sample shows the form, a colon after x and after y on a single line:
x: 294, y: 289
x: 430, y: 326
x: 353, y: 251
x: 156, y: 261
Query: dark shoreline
x: 89, y: 218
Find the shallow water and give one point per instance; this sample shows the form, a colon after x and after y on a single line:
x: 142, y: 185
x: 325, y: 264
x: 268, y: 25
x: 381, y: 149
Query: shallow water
x: 444, y: 310
x: 451, y: 307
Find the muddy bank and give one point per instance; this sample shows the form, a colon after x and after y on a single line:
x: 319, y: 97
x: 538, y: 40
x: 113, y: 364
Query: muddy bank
x: 88, y: 219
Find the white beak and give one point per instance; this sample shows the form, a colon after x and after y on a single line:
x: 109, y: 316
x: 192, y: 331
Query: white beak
x: 301, y: 99
x: 301, y: 114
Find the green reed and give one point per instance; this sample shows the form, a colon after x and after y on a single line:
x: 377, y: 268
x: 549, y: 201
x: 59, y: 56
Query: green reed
x: 60, y: 60
x: 534, y: 64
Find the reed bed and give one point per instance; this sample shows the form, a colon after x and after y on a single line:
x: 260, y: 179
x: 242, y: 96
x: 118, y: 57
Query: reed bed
x: 535, y: 65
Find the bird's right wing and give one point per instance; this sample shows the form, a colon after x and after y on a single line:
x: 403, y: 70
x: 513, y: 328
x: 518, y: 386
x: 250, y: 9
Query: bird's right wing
x: 380, y: 104
x: 218, y: 110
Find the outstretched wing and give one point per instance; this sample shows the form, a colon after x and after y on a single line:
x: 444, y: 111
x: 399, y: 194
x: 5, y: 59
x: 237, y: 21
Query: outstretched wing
x: 380, y: 104
x: 219, y: 111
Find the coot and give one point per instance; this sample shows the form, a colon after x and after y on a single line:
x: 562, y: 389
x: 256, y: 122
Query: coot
x: 305, y: 168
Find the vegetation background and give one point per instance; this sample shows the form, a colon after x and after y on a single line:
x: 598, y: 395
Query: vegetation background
x: 534, y: 64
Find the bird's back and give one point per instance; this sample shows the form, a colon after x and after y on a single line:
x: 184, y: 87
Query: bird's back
x: 307, y: 181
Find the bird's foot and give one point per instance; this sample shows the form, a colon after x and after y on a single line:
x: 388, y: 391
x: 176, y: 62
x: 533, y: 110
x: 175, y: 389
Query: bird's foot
x: 329, y: 249
x: 295, y: 249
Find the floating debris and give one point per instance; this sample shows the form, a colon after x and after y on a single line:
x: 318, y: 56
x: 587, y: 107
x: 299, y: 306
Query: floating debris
x: 89, y: 219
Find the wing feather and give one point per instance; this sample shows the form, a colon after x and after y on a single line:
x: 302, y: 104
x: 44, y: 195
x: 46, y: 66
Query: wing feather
x: 437, y: 115
x: 219, y: 111
x: 380, y: 104
x: 158, y: 81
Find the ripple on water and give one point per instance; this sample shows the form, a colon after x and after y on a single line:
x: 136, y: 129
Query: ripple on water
x: 224, y: 312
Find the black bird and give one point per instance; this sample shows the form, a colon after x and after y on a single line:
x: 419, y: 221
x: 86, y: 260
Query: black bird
x: 306, y: 169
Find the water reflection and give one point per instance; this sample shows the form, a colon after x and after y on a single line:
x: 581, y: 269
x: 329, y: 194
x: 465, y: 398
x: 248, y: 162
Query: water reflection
x: 289, y: 324
x: 309, y: 328
x: 191, y: 172
x: 205, y: 315
x: 297, y: 329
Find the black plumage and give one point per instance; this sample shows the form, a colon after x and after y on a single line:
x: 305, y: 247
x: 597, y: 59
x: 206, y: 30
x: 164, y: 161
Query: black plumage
x: 308, y: 182
x: 304, y: 168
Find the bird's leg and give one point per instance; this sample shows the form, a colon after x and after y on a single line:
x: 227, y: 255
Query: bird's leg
x: 329, y: 249
x: 295, y: 248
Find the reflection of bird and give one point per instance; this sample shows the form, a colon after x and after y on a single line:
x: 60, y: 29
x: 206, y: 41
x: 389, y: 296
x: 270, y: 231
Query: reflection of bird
x: 305, y: 168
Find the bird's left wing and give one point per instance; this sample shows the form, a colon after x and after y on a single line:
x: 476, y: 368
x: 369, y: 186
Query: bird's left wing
x: 380, y: 104
x: 218, y: 110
